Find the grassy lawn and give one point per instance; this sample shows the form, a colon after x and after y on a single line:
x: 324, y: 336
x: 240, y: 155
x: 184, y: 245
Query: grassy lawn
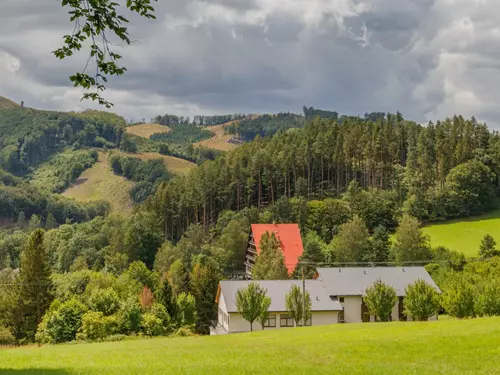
x: 147, y: 130
x: 100, y: 183
x: 220, y: 140
x: 444, y: 347
x: 465, y: 235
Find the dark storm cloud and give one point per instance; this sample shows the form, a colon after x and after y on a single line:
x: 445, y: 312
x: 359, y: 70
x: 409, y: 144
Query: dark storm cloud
x: 426, y: 58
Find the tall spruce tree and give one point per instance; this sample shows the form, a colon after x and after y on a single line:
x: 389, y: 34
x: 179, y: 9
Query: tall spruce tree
x: 35, y: 287
x: 270, y: 263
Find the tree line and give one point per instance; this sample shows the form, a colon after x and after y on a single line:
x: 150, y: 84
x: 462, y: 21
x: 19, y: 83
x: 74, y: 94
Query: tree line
x: 198, y: 120
x: 443, y: 170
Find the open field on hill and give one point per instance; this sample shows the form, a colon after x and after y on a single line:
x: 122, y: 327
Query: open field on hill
x: 146, y: 130
x: 7, y: 103
x: 447, y: 347
x: 220, y: 140
x: 465, y: 235
x: 100, y: 183
x: 173, y: 164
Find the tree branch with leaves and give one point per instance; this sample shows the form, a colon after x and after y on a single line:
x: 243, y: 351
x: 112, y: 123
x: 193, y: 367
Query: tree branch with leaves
x: 95, y: 21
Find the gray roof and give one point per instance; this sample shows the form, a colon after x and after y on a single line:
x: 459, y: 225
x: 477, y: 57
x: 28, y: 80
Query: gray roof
x: 277, y: 290
x: 354, y: 281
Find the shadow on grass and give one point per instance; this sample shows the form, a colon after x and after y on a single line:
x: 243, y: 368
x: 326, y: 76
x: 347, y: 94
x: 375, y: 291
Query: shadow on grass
x: 36, y: 371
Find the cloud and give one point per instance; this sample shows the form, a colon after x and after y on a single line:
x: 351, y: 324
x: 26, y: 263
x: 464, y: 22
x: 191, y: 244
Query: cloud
x: 428, y: 59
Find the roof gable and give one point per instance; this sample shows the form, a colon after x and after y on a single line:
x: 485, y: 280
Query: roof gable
x: 353, y: 281
x: 289, y: 237
x: 277, y: 291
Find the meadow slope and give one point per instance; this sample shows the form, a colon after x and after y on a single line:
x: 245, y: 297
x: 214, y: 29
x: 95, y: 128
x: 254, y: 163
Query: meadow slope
x: 100, y: 183
x: 220, y: 140
x: 444, y: 347
x: 147, y: 130
x: 465, y: 235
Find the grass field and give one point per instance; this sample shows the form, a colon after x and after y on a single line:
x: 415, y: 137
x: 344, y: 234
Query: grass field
x: 465, y: 235
x: 100, y: 183
x: 147, y: 130
x: 7, y: 103
x: 173, y: 164
x: 220, y: 140
x: 447, y: 347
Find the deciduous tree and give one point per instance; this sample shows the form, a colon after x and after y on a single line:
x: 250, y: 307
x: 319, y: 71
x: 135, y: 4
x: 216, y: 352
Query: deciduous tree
x: 421, y: 301
x: 251, y: 301
x: 380, y: 298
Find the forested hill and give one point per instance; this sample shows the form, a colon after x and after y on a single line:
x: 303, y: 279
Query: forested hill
x: 447, y: 169
x: 29, y: 136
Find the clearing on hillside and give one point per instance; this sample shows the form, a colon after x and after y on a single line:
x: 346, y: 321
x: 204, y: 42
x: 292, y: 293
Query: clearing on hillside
x: 173, y: 164
x: 427, y: 348
x: 465, y: 235
x: 219, y: 141
x: 100, y: 183
x: 147, y: 130
x: 7, y: 103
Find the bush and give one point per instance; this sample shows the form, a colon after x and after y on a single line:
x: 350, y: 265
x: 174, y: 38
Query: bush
x: 160, y: 312
x: 186, y: 308
x: 6, y: 337
x: 129, y: 316
x: 458, y: 298
x: 62, y: 324
x: 380, y: 298
x: 105, y: 301
x: 488, y: 301
x: 421, y: 301
x: 152, y: 325
x: 184, y: 332
x: 96, y: 326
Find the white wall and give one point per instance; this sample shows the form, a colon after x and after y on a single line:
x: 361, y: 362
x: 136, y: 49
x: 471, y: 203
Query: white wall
x: 352, y: 310
x: 238, y: 324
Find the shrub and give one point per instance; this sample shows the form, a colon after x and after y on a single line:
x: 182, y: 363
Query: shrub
x: 421, y: 301
x: 458, y: 298
x: 152, y: 325
x: 129, y: 316
x: 186, y: 309
x: 6, y: 337
x: 161, y: 312
x: 380, y: 299
x: 488, y: 301
x: 62, y: 324
x: 105, y: 301
x: 96, y: 326
x: 184, y: 332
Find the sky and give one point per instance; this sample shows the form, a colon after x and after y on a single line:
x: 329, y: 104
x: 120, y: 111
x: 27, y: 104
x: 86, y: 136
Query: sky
x: 428, y: 59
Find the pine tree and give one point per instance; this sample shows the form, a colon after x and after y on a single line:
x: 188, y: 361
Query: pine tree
x: 21, y: 220
x: 352, y: 242
x: 166, y: 297
x: 380, y: 246
x: 35, y: 287
x: 34, y: 222
x: 410, y: 244
x: 270, y: 263
x: 50, y: 223
x: 487, y: 249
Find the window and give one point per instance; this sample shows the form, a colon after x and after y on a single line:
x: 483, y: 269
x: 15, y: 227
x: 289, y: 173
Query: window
x: 341, y: 317
x: 286, y: 321
x: 308, y: 322
x: 341, y: 299
x: 271, y: 321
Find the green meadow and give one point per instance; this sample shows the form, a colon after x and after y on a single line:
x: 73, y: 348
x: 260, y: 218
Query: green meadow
x: 465, y: 235
x: 443, y: 347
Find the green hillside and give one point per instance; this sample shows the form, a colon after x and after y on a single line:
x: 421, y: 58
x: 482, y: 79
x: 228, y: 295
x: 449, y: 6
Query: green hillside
x: 465, y: 235
x: 7, y: 103
x: 446, y: 347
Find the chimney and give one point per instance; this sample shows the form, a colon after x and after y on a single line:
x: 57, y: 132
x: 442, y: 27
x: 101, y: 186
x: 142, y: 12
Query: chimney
x: 365, y: 272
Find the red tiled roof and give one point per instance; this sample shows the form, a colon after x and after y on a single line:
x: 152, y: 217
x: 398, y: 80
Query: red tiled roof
x: 288, y: 235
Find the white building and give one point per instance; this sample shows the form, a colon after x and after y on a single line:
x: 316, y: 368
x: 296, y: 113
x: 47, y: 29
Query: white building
x: 348, y: 285
x: 336, y: 297
x: 324, y: 310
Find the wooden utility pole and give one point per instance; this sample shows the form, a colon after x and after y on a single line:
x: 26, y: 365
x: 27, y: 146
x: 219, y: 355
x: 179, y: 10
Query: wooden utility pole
x: 303, y: 297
